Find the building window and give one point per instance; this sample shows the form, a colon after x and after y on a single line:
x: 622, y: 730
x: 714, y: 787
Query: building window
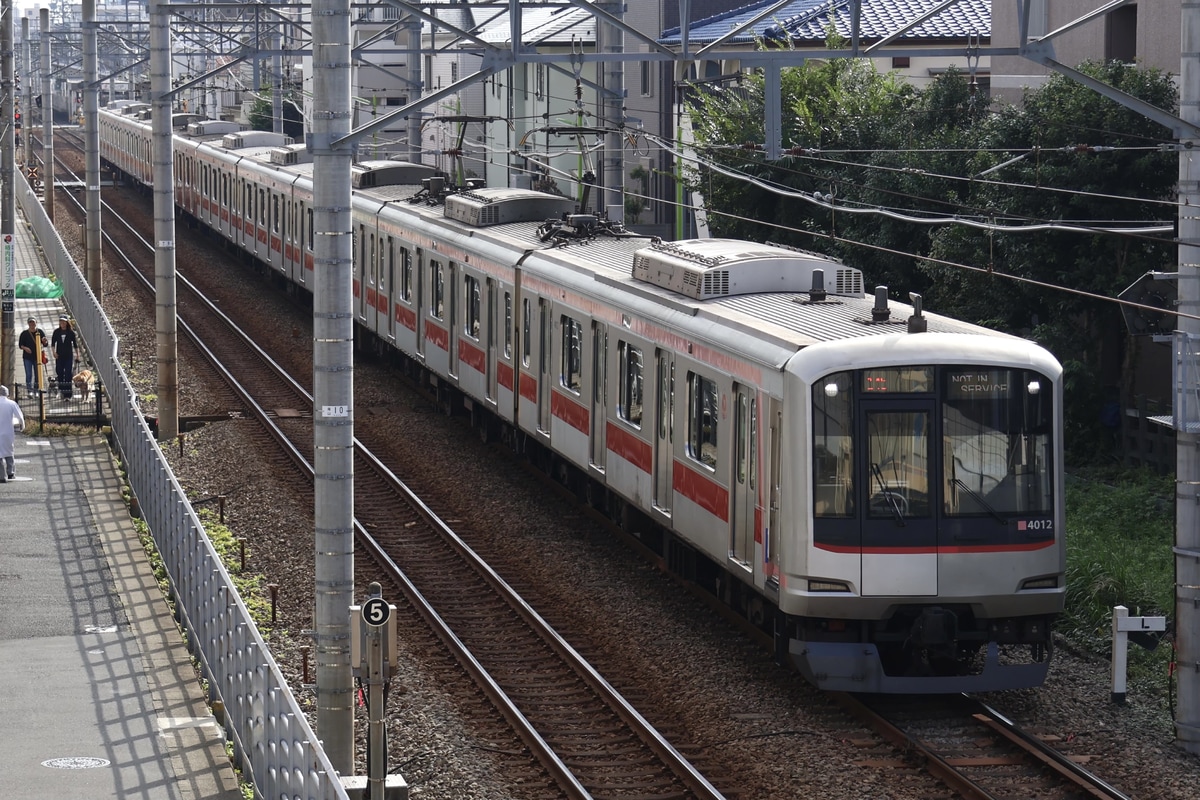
x: 901, y: 62
x: 1120, y: 35
x: 647, y: 76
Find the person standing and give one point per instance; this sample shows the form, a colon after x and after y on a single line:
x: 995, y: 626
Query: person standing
x: 10, y: 418
x: 30, y: 340
x: 66, y: 350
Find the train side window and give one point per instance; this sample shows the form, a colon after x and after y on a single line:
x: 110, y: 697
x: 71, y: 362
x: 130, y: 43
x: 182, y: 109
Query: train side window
x: 474, y: 306
x: 406, y: 274
x: 262, y: 208
x: 309, y: 221
x: 275, y: 215
x: 571, y: 373
x: 833, y: 446
x: 508, y: 326
x: 438, y: 301
x: 702, y: 420
x: 526, y: 334
x: 629, y: 401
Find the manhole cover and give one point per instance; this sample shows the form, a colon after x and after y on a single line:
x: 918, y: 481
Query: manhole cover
x: 76, y: 762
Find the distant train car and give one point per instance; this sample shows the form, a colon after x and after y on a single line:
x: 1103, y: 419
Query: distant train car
x: 879, y: 488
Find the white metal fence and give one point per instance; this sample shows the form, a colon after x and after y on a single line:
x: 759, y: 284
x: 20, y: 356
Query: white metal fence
x: 275, y: 746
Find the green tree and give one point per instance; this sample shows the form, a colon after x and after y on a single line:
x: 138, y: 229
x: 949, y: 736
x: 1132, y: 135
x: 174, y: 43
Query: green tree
x: 878, y: 146
x: 1057, y: 132
x: 262, y: 113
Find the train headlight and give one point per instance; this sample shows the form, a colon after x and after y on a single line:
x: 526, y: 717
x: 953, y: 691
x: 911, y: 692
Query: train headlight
x: 831, y: 389
x: 1041, y: 583
x: 828, y: 586
x: 1034, y: 387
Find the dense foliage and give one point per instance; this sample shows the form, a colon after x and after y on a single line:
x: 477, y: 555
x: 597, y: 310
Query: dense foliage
x: 1119, y: 534
x: 873, y: 142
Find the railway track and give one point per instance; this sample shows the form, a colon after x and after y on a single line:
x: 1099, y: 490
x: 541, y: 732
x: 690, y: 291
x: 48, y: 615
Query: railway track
x: 590, y: 741
x: 974, y: 749
x: 930, y: 744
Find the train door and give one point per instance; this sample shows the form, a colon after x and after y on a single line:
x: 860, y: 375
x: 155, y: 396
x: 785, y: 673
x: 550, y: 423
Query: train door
x: 599, y: 415
x: 387, y: 289
x: 664, y: 433
x: 545, y: 337
x: 745, y: 474
x: 422, y: 290
x: 774, y: 487
x: 453, y: 320
x: 899, y: 529
x: 490, y: 322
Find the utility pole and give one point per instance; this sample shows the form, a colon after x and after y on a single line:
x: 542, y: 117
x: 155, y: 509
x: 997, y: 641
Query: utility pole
x: 1187, y: 338
x: 333, y: 378
x: 166, y: 322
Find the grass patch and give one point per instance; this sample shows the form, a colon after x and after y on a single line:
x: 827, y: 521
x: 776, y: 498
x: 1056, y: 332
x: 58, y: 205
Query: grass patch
x: 1120, y: 530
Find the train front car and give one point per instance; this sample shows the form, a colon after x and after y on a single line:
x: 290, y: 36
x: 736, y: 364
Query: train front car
x: 929, y: 476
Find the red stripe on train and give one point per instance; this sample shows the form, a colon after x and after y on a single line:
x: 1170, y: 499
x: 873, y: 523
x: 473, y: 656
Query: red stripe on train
x: 625, y: 443
x: 569, y: 411
x: 701, y: 490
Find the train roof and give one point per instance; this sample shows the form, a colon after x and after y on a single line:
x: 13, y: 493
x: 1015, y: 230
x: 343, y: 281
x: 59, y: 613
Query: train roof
x: 722, y: 285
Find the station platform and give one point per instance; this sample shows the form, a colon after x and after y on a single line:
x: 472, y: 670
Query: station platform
x: 99, y: 695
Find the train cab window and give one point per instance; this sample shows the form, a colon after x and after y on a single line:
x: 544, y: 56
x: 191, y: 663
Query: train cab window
x: 702, y: 420
x: 406, y: 274
x: 474, y: 306
x: 437, y: 301
x: 833, y: 446
x: 629, y: 400
x: 508, y: 325
x: 571, y: 373
x: 997, y: 443
x: 526, y: 333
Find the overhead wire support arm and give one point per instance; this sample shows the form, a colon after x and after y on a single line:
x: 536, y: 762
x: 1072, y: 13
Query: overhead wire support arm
x: 739, y: 28
x: 595, y: 10
x: 429, y: 99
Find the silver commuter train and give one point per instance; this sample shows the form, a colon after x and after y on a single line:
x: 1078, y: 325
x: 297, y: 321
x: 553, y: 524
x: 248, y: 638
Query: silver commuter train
x: 879, y: 488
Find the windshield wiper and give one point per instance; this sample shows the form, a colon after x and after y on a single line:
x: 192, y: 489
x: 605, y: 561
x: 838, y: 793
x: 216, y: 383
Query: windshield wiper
x: 888, y: 495
x: 982, y: 503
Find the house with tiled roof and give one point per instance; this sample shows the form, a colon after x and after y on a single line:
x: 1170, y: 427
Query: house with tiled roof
x: 916, y: 38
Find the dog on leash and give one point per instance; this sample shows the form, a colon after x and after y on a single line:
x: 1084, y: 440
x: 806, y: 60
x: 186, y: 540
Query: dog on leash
x: 83, y: 383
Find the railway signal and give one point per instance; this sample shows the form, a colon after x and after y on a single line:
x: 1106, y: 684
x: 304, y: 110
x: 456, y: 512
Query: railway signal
x: 373, y: 654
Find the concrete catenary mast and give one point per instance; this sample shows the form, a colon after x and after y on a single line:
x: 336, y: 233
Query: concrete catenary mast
x: 166, y: 323
x: 91, y: 141
x: 1187, y: 466
x: 47, y: 119
x: 333, y: 379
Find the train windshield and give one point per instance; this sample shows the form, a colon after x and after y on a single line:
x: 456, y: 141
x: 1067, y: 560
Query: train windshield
x: 996, y: 433
x: 906, y: 444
